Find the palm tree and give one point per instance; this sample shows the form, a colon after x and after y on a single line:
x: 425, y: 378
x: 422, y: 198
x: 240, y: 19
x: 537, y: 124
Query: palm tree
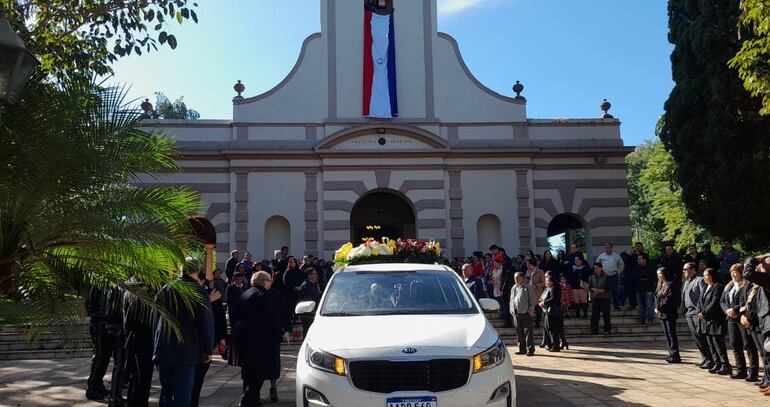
x: 69, y: 215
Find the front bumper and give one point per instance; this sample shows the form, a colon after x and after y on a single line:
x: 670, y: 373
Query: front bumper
x: 339, y: 391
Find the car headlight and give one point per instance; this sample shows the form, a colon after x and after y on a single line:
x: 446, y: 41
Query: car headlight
x: 489, y: 358
x: 325, y: 361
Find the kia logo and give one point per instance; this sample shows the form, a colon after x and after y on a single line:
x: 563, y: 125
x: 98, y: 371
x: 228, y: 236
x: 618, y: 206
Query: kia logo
x: 409, y: 350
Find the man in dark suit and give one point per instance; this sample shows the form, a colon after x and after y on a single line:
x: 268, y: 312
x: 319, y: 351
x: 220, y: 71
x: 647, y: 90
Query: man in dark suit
x: 694, y: 286
x: 710, y: 311
x: 232, y: 263
x: 178, y: 357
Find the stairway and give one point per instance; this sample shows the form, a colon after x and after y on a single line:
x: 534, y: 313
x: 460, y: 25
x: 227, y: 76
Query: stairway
x: 625, y: 329
x: 75, y: 342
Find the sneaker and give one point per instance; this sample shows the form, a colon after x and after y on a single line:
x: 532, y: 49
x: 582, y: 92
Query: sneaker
x: 520, y: 353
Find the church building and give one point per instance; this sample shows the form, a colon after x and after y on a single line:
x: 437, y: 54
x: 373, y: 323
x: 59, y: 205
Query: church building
x: 380, y: 129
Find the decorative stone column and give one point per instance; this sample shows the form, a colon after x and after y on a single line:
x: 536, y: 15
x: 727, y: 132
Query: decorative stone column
x: 524, y: 212
x: 242, y: 210
x: 456, y: 230
x: 311, y: 213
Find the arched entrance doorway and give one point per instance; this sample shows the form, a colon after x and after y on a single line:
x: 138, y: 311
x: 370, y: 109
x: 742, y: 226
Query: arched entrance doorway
x: 382, y: 214
x: 206, y: 235
x: 567, y: 229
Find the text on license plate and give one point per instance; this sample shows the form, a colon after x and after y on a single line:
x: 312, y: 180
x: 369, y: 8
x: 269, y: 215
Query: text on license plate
x: 412, y: 402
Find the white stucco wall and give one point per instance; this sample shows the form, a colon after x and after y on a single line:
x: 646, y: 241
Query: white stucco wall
x: 490, y: 192
x: 301, y: 98
x: 271, y: 194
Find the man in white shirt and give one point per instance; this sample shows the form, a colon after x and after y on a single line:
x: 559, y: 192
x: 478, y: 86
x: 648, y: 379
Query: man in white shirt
x: 613, y: 267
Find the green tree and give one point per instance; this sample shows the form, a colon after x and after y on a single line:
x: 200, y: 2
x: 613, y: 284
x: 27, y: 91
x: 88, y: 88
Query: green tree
x: 717, y: 140
x: 166, y: 109
x: 658, y: 213
x: 69, y: 213
x: 751, y: 59
x: 85, y: 36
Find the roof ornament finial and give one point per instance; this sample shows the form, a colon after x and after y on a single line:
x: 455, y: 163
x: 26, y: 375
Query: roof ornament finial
x: 605, y: 106
x: 239, y: 88
x: 518, y: 88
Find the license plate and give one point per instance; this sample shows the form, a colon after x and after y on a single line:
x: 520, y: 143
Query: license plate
x: 412, y: 402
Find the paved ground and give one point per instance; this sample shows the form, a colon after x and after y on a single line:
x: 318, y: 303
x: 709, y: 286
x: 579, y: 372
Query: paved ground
x: 584, y: 376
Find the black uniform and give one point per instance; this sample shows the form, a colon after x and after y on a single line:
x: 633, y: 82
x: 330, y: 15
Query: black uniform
x: 666, y: 302
x: 137, y: 329
x: 103, y: 340
x: 715, y: 321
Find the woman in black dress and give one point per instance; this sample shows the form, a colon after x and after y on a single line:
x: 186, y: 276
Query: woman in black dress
x: 259, y: 333
x: 292, y: 281
x: 666, y: 299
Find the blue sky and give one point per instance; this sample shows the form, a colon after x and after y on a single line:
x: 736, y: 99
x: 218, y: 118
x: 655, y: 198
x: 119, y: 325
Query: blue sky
x: 568, y: 54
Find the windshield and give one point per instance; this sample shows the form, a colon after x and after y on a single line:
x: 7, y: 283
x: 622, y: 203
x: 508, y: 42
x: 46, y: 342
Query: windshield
x: 394, y: 293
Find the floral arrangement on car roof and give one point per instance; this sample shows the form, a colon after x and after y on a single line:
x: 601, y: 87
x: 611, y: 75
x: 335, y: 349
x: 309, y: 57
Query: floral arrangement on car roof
x: 372, y: 251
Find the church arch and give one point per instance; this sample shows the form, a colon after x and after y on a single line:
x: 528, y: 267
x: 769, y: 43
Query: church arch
x: 566, y: 229
x: 382, y: 213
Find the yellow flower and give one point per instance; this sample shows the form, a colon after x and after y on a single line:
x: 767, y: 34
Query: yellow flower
x: 343, y: 251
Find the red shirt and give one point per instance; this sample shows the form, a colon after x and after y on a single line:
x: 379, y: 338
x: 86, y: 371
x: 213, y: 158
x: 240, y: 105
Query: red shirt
x: 478, y: 270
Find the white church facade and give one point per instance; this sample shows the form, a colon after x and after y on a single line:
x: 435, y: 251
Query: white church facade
x: 306, y: 165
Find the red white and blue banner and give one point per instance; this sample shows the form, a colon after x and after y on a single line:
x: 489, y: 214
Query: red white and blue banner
x: 380, y: 99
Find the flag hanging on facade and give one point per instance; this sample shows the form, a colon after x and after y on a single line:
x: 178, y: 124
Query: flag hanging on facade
x: 380, y: 99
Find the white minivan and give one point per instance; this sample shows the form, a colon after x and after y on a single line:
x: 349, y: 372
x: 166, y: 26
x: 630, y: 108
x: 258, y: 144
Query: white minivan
x: 402, y: 335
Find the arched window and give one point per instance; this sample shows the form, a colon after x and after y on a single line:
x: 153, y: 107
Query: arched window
x: 277, y: 234
x: 488, y: 232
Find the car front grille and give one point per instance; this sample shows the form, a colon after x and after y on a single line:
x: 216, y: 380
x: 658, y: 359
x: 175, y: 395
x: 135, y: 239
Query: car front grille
x: 382, y: 376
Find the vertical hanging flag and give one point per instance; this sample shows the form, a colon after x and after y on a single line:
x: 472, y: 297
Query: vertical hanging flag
x: 380, y: 98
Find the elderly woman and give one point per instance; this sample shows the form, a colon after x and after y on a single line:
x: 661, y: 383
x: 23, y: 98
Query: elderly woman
x: 258, y: 333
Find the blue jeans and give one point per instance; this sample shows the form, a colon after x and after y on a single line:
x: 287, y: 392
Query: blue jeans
x: 176, y: 384
x: 646, y: 305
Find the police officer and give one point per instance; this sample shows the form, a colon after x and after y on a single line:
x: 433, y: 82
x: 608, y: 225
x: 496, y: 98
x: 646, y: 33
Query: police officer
x: 104, y: 343
x: 137, y: 329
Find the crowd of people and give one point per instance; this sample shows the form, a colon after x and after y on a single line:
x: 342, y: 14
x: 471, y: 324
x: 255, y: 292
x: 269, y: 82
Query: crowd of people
x: 719, y: 296
x: 243, y: 314
x: 246, y: 311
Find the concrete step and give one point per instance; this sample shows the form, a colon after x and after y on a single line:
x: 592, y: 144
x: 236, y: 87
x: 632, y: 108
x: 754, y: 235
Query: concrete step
x: 46, y: 354
x: 616, y: 329
x: 578, y: 322
x: 600, y: 338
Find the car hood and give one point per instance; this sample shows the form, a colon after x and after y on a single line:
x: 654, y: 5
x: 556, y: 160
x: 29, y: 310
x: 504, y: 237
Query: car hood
x: 383, y: 335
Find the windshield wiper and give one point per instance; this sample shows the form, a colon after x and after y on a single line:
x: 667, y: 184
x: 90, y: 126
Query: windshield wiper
x: 340, y: 314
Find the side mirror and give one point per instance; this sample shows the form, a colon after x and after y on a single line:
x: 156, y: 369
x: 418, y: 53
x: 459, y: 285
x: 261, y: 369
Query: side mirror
x: 305, y: 307
x: 488, y: 304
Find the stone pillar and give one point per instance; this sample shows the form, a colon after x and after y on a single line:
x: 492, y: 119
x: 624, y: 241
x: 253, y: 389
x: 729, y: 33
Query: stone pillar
x: 456, y: 230
x: 311, y: 213
x: 242, y: 210
x: 524, y: 211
